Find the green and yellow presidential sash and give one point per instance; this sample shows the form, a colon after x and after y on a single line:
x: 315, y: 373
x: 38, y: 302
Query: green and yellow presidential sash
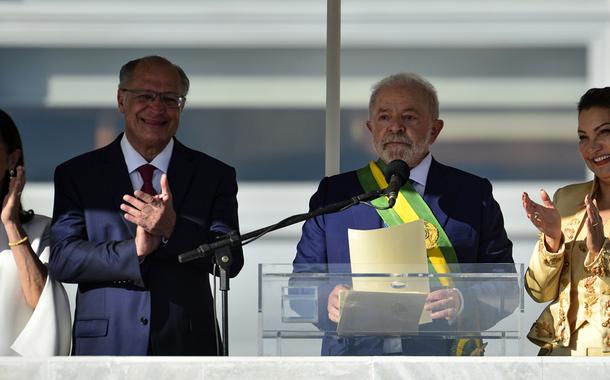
x: 410, y: 206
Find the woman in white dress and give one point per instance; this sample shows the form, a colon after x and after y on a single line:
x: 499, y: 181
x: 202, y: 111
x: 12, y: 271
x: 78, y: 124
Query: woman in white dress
x: 34, y: 309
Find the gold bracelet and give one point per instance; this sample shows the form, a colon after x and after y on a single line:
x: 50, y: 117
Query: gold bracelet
x: 18, y: 242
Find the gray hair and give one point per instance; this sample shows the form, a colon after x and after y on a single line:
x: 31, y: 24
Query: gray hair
x: 409, y: 80
x: 126, y: 73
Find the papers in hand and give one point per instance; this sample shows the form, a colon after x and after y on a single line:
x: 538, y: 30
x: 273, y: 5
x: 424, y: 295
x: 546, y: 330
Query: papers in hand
x: 380, y: 313
x: 391, y: 253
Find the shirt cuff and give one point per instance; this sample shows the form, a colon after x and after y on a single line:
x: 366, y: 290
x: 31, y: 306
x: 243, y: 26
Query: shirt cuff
x: 459, y: 292
x: 551, y: 259
x: 460, y: 309
x: 599, y: 266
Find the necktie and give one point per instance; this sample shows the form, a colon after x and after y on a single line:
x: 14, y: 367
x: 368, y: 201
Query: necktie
x: 146, y: 171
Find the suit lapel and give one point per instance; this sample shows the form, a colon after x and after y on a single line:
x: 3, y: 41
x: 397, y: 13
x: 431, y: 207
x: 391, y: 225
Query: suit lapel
x: 180, y: 173
x: 364, y: 217
x: 114, y: 172
x: 435, y: 188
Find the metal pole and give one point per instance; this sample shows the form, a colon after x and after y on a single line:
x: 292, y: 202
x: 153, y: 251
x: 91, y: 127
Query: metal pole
x: 333, y: 80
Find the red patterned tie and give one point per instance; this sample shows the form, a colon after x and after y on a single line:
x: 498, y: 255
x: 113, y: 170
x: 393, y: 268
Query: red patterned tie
x: 146, y: 171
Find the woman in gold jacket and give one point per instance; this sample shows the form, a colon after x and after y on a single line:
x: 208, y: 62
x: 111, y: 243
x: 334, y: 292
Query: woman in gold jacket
x: 570, y: 263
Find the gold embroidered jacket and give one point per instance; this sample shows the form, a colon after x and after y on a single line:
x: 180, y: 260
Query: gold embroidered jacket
x: 551, y: 277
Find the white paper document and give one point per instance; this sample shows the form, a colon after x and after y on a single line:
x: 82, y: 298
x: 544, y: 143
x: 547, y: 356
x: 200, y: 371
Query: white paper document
x: 396, y: 250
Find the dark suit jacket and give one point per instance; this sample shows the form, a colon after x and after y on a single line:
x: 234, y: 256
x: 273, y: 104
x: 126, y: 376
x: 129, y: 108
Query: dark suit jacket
x: 123, y: 305
x: 462, y: 203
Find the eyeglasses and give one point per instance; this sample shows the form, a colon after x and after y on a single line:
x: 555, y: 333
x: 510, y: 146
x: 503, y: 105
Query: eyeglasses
x: 169, y: 99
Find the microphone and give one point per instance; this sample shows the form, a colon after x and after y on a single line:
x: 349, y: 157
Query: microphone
x: 205, y: 251
x: 396, y: 173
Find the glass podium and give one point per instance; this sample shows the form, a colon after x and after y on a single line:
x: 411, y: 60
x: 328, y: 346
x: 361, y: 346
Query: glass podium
x: 382, y: 311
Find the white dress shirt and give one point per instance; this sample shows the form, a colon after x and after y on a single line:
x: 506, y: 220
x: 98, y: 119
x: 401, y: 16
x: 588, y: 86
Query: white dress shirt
x: 134, y: 160
x: 419, y: 174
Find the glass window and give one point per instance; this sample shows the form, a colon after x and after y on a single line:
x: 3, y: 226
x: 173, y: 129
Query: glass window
x: 507, y: 110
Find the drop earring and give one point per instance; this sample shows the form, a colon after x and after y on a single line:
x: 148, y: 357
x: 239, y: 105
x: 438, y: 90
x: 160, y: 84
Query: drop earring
x: 12, y: 173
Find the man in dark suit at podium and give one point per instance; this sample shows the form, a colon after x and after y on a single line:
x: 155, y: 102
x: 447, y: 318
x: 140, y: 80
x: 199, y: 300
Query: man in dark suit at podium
x: 464, y: 223
x: 122, y: 215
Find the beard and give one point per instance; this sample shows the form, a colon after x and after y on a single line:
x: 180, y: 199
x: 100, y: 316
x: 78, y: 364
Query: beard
x: 408, y: 151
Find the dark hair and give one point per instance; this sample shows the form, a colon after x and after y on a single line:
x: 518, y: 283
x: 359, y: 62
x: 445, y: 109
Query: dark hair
x: 594, y: 97
x: 9, y: 136
x: 126, y: 73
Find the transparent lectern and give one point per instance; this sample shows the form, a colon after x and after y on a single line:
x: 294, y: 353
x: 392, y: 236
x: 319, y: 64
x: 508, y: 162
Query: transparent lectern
x: 382, y: 311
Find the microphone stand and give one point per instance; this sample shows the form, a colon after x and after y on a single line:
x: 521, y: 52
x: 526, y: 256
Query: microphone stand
x: 221, y: 249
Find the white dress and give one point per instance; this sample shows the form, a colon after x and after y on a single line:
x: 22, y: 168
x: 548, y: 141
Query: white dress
x: 45, y: 330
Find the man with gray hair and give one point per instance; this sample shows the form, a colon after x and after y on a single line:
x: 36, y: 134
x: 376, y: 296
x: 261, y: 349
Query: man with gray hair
x: 463, y: 222
x: 122, y: 215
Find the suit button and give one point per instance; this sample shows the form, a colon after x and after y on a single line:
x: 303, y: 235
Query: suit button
x: 143, y: 321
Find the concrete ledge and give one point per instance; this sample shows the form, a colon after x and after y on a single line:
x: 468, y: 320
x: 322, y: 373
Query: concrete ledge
x: 296, y: 368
